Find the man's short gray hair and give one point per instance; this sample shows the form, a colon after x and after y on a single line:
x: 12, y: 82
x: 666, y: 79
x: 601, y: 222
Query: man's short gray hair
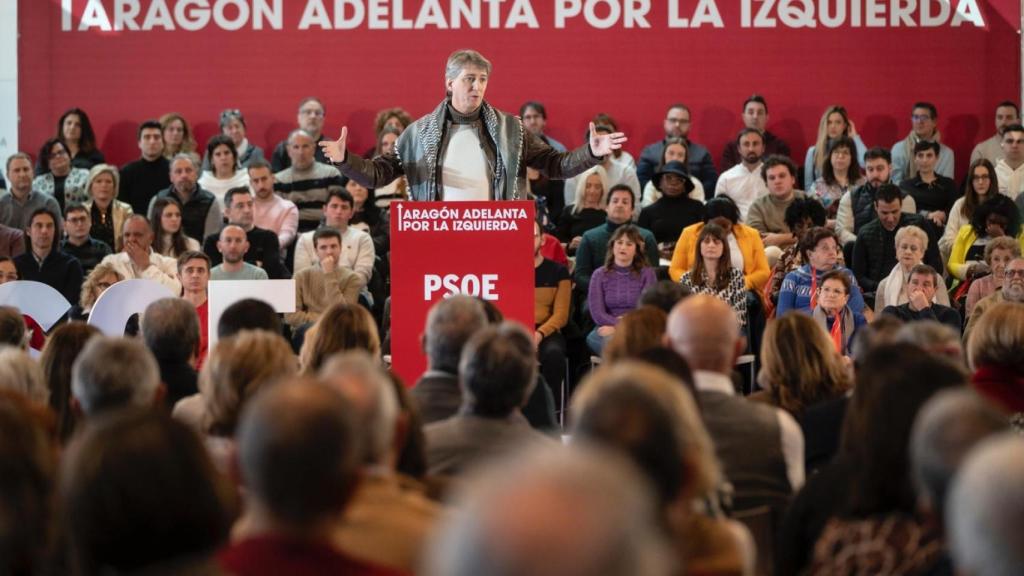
x: 19, y: 372
x: 367, y: 387
x: 112, y: 373
x: 985, y: 510
x: 450, y: 324
x: 462, y: 58
x: 605, y: 521
x: 190, y: 156
x: 298, y: 132
x: 170, y: 328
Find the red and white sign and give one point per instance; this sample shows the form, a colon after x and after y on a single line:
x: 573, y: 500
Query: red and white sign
x: 439, y: 249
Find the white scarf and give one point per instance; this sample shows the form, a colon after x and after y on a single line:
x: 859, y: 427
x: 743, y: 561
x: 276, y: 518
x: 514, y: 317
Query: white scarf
x: 896, y: 295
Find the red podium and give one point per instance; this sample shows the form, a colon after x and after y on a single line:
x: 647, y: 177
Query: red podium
x: 439, y: 249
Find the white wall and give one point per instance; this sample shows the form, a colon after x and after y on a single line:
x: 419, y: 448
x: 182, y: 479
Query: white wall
x: 8, y: 79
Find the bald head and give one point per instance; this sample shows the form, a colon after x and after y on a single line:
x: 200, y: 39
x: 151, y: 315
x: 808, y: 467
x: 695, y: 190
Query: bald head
x: 705, y: 331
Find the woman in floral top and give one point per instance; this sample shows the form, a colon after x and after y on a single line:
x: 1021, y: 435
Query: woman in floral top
x: 712, y: 271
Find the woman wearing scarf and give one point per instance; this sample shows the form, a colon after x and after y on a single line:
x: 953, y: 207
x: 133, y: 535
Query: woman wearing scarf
x: 911, y: 243
x: 832, y: 313
x: 799, y: 291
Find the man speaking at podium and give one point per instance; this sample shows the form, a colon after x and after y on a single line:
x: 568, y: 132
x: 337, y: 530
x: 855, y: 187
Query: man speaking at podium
x: 466, y: 149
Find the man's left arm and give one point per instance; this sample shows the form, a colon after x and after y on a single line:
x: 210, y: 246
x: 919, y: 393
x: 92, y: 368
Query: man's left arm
x: 164, y: 271
x: 557, y: 165
x: 365, y: 256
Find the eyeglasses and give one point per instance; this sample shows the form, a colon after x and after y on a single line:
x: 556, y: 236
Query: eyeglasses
x: 58, y: 154
x: 312, y: 112
x: 103, y: 285
x: 920, y: 117
x: 1015, y: 273
x: 77, y: 220
x: 678, y: 120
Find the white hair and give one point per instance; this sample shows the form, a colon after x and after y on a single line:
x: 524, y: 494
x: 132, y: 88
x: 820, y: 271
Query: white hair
x: 114, y: 372
x: 21, y: 373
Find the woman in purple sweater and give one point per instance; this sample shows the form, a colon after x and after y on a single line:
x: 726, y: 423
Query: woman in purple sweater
x: 615, y: 287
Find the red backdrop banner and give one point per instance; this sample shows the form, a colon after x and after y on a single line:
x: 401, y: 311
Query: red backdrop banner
x: 483, y: 249
x: 127, y: 60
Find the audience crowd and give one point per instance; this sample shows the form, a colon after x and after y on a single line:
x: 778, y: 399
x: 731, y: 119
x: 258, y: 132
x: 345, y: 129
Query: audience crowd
x: 738, y: 366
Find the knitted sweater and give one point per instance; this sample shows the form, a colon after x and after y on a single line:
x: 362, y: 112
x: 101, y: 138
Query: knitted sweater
x: 316, y: 291
x: 615, y: 292
x: 795, y: 292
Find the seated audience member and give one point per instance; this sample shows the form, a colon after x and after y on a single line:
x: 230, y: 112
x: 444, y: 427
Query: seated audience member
x: 170, y: 329
x: 497, y: 371
x: 263, y: 250
x: 934, y: 338
x: 746, y: 251
x: 640, y: 411
x: 326, y: 283
x: 832, y: 312
x: 874, y: 252
x: 664, y: 295
x: 63, y: 346
x: 551, y: 302
x: 835, y: 124
x: 615, y: 287
x: 8, y: 272
x: 868, y: 484
x: 620, y: 171
x: 29, y: 454
x: 742, y: 181
x: 141, y: 496
x: 553, y: 250
x: 1007, y: 113
x: 59, y: 179
x: 45, y: 262
x: 803, y: 374
x: 396, y: 118
x: 998, y: 253
x: 767, y: 214
x: 535, y: 119
x: 1009, y: 168
x: 697, y: 157
x: 232, y: 125
x: 876, y: 527
x: 299, y: 456
x: 12, y: 328
x: 248, y: 314
x: 342, y: 327
x: 911, y: 245
x: 12, y: 241
x: 712, y: 272
x: 994, y: 349
x: 367, y: 216
x: 103, y: 276
x: 755, y: 117
x: 637, y: 332
x: 592, y: 507
x: 138, y: 260
x: 311, y: 121
x: 933, y: 193
x: 357, y: 251
x: 450, y: 324
x: 201, y: 213
x: 799, y: 289
x: 115, y: 373
x: 106, y: 213
x: 398, y: 189
x: 588, y: 209
x: 306, y: 182
x: 984, y: 511
x: 169, y: 237
x: 389, y: 520
x: 1011, y: 290
x: 764, y: 457
x: 981, y: 185
x: 19, y: 372
x: 675, y: 208
x: 270, y: 211
x: 673, y: 150
x: 178, y: 138
x: 75, y: 130
x: 233, y: 245
x: 840, y: 174
x: 79, y: 243
x: 143, y: 178
x: 998, y: 216
x: 924, y: 128
x: 194, y: 275
x: 593, y: 250
x: 801, y: 215
x: 224, y: 172
x: 857, y: 207
x: 20, y: 201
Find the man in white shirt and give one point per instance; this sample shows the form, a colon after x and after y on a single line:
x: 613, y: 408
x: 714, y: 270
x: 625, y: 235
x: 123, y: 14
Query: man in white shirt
x: 138, y: 260
x: 991, y: 149
x: 1010, y: 168
x: 357, y: 252
x: 743, y: 182
x: 761, y: 448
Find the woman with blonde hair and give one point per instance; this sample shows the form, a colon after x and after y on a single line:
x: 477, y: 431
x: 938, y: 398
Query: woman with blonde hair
x: 911, y: 244
x: 108, y: 214
x: 177, y: 135
x: 835, y: 123
x: 103, y: 276
x: 342, y: 327
x: 637, y: 332
x: 587, y: 210
x: 995, y: 352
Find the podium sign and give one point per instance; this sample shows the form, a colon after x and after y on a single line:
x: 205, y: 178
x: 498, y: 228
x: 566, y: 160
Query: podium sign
x: 439, y: 249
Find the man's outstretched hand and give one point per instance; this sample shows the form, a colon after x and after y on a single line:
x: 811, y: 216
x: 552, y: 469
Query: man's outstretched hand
x: 335, y: 151
x: 600, y: 144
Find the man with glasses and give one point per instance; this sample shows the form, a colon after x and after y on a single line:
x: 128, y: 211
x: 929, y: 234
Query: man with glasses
x: 1013, y: 291
x: 1010, y: 168
x: 755, y: 115
x: 78, y: 243
x: 311, y: 121
x: 924, y: 128
x: 677, y: 125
